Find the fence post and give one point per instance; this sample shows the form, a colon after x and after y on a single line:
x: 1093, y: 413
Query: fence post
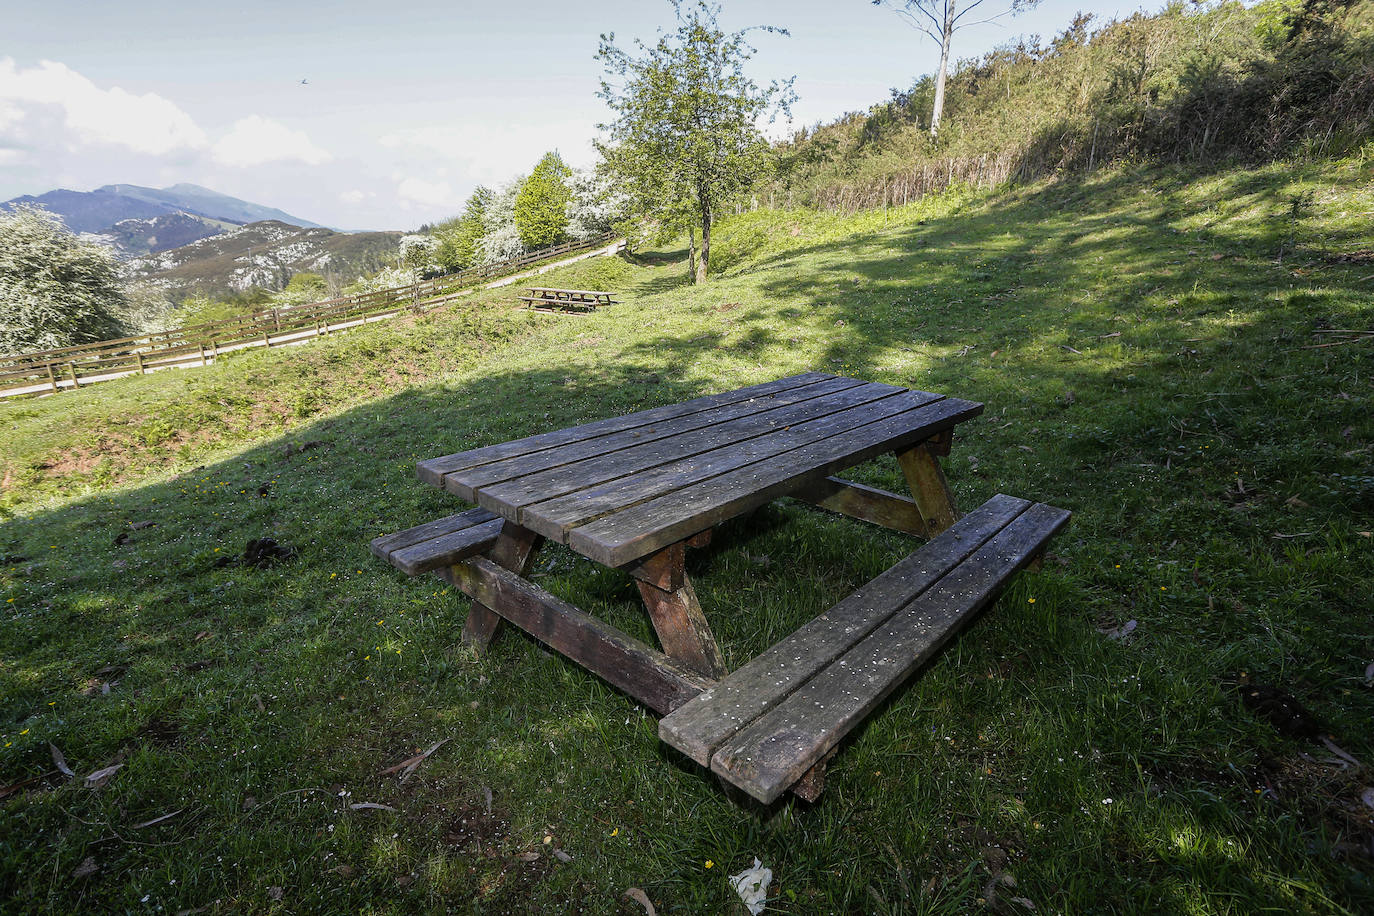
x: 52, y: 379
x: 202, y: 355
x: 141, y: 369
x: 214, y: 349
x: 71, y: 370
x: 266, y: 341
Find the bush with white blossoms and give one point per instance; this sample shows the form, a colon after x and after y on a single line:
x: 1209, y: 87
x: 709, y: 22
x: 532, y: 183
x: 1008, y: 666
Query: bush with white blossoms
x: 501, y: 240
x: 595, y: 206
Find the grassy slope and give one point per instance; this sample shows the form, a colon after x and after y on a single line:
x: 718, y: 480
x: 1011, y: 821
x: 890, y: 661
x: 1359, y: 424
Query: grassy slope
x: 1103, y: 776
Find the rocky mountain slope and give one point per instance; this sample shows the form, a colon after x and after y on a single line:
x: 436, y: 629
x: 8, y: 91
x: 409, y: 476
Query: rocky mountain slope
x: 264, y: 254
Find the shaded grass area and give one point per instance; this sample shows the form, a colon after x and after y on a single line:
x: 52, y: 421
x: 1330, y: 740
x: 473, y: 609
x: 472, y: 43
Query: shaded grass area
x: 1139, y: 341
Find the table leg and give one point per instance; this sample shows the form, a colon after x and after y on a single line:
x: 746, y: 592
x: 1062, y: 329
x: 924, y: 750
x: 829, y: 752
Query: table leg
x: 514, y: 550
x: 928, y: 485
x: 676, y: 614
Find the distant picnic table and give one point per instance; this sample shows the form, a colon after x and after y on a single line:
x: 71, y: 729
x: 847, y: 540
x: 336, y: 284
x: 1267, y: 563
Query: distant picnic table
x: 634, y: 492
x: 548, y: 299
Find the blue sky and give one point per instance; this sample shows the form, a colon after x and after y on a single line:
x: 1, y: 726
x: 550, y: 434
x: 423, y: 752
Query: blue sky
x: 407, y: 105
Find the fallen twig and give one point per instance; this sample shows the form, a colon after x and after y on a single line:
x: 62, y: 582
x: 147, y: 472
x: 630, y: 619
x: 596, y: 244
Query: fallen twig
x: 411, y: 764
x: 157, y: 820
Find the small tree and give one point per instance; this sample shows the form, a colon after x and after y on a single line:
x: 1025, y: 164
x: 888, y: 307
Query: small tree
x: 55, y: 290
x: 416, y: 253
x: 685, y: 139
x: 940, y: 19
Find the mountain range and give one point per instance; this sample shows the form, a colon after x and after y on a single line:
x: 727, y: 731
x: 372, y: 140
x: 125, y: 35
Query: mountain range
x: 137, y: 221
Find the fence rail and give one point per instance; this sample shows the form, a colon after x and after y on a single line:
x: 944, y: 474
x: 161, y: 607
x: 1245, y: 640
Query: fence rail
x: 72, y: 367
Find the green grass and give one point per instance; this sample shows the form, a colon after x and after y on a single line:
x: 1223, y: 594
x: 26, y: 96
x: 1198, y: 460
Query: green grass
x: 1138, y: 340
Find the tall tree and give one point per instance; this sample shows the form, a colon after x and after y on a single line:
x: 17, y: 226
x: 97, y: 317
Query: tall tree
x: 940, y: 19
x: 541, y: 207
x: 685, y: 138
x: 459, y: 238
x: 55, y: 290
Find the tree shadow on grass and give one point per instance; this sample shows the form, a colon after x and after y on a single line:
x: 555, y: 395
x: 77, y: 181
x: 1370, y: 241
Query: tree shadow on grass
x: 354, y: 666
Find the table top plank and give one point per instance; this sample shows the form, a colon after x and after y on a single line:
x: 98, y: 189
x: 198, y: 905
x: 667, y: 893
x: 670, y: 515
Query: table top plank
x: 569, y: 292
x: 557, y: 481
x: 432, y: 470
x: 630, y: 534
x: 469, y: 482
x: 554, y: 518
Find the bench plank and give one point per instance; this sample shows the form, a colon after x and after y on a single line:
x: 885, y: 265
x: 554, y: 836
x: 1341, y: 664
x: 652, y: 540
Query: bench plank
x: 702, y: 726
x: 432, y: 470
x: 542, y: 486
x: 643, y: 672
x: 446, y: 549
x: 384, y: 546
x: 468, y: 483
x: 646, y: 527
x: 775, y: 750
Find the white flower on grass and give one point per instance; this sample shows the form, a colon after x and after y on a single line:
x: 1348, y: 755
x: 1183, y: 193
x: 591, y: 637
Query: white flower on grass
x: 752, y: 886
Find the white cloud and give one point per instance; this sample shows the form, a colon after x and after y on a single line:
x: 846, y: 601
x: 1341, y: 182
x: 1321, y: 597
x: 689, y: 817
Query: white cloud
x: 490, y: 154
x: 255, y: 140
x: 355, y: 197
x: 148, y: 123
x: 419, y: 194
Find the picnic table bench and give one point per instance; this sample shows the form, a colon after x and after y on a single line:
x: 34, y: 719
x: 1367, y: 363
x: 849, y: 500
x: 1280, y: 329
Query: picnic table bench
x: 634, y: 492
x: 547, y: 299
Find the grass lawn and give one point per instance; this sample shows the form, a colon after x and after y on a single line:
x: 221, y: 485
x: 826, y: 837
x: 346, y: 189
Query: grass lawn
x: 1143, y: 340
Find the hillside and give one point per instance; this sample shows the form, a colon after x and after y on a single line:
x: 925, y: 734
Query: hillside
x: 136, y: 221
x: 1205, y: 84
x: 1156, y: 350
x: 263, y: 254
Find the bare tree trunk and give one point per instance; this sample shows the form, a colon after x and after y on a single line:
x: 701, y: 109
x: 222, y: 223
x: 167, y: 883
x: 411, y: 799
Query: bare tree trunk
x: 703, y: 264
x: 946, y: 37
x: 692, y: 252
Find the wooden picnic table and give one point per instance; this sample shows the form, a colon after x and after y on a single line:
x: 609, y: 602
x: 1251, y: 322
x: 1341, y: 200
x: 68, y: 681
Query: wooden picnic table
x: 633, y: 492
x: 544, y: 298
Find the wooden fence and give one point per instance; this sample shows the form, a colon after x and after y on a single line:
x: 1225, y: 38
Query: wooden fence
x: 72, y: 367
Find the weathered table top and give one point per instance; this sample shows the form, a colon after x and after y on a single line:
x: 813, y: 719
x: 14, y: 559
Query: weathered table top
x: 618, y: 489
x: 551, y: 292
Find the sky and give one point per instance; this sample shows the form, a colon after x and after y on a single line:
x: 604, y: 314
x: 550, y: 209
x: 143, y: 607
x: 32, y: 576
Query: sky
x: 386, y: 115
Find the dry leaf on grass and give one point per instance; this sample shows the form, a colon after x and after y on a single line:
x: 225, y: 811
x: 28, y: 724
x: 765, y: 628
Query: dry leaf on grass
x: 1119, y: 633
x: 102, y: 776
x: 561, y: 856
x: 411, y: 764
x: 370, y: 806
x: 527, y: 856
x: 641, y: 898
x: 59, y: 761
x: 1367, y: 796
x: 86, y: 868
x: 343, y: 871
